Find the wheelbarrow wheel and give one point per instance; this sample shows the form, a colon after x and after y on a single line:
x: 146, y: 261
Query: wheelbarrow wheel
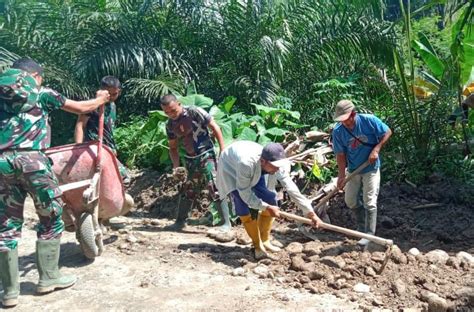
x: 86, y: 236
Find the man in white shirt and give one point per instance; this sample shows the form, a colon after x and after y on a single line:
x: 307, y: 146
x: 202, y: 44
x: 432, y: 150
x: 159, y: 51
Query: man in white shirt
x: 241, y: 173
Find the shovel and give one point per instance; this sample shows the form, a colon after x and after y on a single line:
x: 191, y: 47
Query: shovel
x: 338, y: 229
x: 336, y: 190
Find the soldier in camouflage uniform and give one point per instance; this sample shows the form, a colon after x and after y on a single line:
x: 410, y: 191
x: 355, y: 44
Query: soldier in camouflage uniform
x: 24, y: 169
x: 190, y: 125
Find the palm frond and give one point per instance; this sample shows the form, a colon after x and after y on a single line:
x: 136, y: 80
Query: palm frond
x: 153, y: 89
x: 7, y: 58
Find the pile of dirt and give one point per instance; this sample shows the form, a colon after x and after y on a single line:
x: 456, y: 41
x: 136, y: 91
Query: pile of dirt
x: 158, y: 195
x: 435, y: 219
x: 430, y: 216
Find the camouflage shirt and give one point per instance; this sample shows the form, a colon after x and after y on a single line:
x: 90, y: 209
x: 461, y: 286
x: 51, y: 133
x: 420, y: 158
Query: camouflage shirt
x: 191, y: 127
x: 29, y: 129
x: 92, y: 127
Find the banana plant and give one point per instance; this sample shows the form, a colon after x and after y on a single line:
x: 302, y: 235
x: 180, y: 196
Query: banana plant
x: 422, y: 119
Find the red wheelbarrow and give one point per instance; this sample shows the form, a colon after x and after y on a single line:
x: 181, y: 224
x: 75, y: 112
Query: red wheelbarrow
x: 92, y: 189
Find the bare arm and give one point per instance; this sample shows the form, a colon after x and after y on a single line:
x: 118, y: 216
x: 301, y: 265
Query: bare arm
x: 84, y: 107
x: 341, y: 166
x: 376, y: 150
x: 80, y: 126
x: 174, y: 154
x: 216, y: 130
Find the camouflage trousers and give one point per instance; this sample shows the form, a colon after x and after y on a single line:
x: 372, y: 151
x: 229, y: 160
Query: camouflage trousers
x: 22, y: 173
x: 202, y: 176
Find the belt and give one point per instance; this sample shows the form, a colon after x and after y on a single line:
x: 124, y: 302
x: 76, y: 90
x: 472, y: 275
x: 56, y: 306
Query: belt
x: 197, y: 156
x: 13, y: 151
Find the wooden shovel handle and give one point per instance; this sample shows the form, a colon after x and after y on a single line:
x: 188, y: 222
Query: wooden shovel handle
x: 349, y: 177
x: 338, y: 229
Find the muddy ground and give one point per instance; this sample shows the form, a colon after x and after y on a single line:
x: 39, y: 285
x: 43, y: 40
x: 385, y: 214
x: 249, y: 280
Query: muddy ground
x: 147, y: 268
x: 436, y: 218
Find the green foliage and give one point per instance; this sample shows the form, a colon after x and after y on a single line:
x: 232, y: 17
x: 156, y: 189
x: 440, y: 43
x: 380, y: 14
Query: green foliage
x: 421, y: 122
x: 262, y: 60
x: 143, y: 141
x: 269, y: 124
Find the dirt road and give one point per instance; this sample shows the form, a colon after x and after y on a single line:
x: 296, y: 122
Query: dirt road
x: 145, y: 269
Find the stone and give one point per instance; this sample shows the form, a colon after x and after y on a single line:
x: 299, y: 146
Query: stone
x: 329, y: 278
x: 277, y: 244
x: 333, y: 262
x: 369, y: 271
x: 316, y: 275
x: 294, y: 248
x: 420, y: 257
x: 464, y: 256
x: 373, y: 247
x: 298, y: 264
x: 304, y: 279
x: 435, y: 302
x: 312, y: 248
x: 399, y: 287
x: 351, y: 269
x: 238, y: 272
x: 466, y: 293
x: 223, y: 237
x: 397, y: 255
x: 411, y: 259
x: 284, y: 297
x: 377, y: 257
x: 361, y: 288
x: 433, y: 267
x: 266, y: 261
x: 437, y: 256
x: 414, y: 252
x: 314, y: 290
x: 333, y: 251
x: 314, y: 258
x: 132, y: 239
x: 340, y: 284
x: 281, y: 280
x: 377, y: 302
x: 430, y: 286
x: 261, y: 271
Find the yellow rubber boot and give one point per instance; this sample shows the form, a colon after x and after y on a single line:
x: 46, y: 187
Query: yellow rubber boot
x: 251, y: 227
x: 265, y: 222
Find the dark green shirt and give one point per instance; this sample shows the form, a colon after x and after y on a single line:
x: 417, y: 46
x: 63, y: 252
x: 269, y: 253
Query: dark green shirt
x: 92, y: 127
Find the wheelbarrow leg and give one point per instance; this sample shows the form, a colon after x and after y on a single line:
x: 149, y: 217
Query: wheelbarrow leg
x: 99, y: 237
x: 89, y: 232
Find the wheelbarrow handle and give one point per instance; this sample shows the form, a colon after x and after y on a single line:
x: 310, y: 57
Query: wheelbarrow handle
x: 338, y: 229
x: 348, y: 177
x: 100, y: 137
